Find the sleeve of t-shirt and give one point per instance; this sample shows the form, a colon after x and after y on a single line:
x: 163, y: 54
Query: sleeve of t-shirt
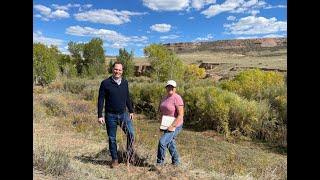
x: 178, y: 101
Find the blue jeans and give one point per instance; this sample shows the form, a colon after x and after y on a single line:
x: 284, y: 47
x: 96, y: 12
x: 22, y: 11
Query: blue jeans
x: 167, y: 140
x: 113, y: 120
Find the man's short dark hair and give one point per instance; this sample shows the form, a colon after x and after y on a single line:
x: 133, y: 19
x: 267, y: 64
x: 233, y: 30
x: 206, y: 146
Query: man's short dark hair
x: 117, y: 62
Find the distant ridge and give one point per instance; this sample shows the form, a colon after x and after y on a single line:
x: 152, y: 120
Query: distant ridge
x: 229, y: 45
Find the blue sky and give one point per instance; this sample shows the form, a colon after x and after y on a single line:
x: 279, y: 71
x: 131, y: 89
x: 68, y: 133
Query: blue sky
x: 134, y: 24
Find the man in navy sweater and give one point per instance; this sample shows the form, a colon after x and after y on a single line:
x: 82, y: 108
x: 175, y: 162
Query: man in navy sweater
x: 114, y: 92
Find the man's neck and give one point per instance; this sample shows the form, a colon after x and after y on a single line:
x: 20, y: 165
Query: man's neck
x: 116, y: 78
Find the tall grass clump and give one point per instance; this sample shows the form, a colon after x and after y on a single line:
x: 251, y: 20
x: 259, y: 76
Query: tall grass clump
x: 50, y: 161
x: 55, y: 107
x: 75, y: 85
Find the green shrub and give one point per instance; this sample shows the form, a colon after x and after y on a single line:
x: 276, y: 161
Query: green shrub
x: 252, y: 83
x: 53, y: 162
x: 91, y: 93
x: 277, y: 97
x: 55, y: 107
x: 213, y: 108
x: 193, y: 72
x: 210, y: 107
x: 149, y: 97
x: 39, y: 112
x: 75, y: 85
x: 84, y: 122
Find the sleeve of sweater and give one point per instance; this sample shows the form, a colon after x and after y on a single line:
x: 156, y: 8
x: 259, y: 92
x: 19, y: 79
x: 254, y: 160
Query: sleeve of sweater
x: 101, y: 99
x: 128, y: 101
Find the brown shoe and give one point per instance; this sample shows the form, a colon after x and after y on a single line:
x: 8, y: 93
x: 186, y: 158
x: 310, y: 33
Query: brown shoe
x: 114, y: 163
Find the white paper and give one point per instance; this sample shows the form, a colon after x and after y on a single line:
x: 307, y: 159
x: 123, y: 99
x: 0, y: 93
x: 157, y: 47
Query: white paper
x: 166, y: 121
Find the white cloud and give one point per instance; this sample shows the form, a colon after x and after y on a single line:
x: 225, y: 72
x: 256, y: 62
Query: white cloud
x: 234, y: 6
x: 247, y: 37
x: 228, y: 5
x: 60, y: 14
x: 115, y: 39
x: 199, y: 4
x: 169, y: 37
x: 254, y: 12
x: 38, y: 37
x: 43, y: 9
x: 118, y: 45
x: 231, y: 18
x: 46, y: 13
x: 166, y: 5
x: 274, y: 36
x: 69, y: 5
x: 256, y: 25
x: 161, y: 27
x: 87, y: 5
x: 191, y: 17
x: 106, y: 16
x: 209, y: 37
x: 276, y: 6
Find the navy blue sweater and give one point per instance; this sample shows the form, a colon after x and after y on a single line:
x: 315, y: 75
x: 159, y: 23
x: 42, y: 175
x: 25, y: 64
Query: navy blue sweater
x: 116, y: 97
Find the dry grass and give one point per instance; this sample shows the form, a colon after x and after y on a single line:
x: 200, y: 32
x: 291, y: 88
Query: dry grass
x: 83, y: 144
x: 268, y: 59
x: 241, y: 60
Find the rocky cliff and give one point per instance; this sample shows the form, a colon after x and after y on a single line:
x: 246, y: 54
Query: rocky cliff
x: 229, y: 45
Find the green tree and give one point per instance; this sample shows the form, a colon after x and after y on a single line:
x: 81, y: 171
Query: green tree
x: 126, y: 59
x: 166, y: 65
x: 88, y: 58
x: 66, y: 66
x: 110, y: 66
x: 94, y: 58
x: 45, y: 66
x: 76, y: 50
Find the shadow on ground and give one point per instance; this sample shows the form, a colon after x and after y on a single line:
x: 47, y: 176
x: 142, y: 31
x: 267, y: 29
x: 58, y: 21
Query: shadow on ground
x: 103, y: 158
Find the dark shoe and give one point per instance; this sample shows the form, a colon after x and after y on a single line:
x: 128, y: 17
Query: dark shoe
x: 114, y: 164
x: 157, y: 167
x: 175, y: 164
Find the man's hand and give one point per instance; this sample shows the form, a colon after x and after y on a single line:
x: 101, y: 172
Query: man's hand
x: 131, y: 116
x: 101, y: 120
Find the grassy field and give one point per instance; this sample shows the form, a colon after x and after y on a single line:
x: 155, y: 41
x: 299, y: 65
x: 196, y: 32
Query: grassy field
x: 268, y: 59
x: 70, y: 144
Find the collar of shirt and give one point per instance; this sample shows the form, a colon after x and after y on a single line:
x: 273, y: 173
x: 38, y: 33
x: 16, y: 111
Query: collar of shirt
x: 118, y: 81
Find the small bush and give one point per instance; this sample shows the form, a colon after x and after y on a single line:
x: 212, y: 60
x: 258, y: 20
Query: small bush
x: 147, y: 96
x: 51, y: 162
x: 56, y: 86
x: 91, y: 93
x: 84, y: 122
x: 55, y: 107
x: 193, y: 72
x: 39, y: 112
x: 74, y: 85
x: 277, y: 98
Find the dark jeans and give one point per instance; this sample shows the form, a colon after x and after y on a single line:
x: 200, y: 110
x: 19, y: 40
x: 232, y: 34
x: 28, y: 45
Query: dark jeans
x: 167, y: 140
x: 113, y: 120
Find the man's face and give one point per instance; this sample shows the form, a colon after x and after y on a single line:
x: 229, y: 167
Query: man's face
x: 117, y: 71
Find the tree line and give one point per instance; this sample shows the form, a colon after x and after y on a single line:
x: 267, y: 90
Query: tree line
x: 88, y: 60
